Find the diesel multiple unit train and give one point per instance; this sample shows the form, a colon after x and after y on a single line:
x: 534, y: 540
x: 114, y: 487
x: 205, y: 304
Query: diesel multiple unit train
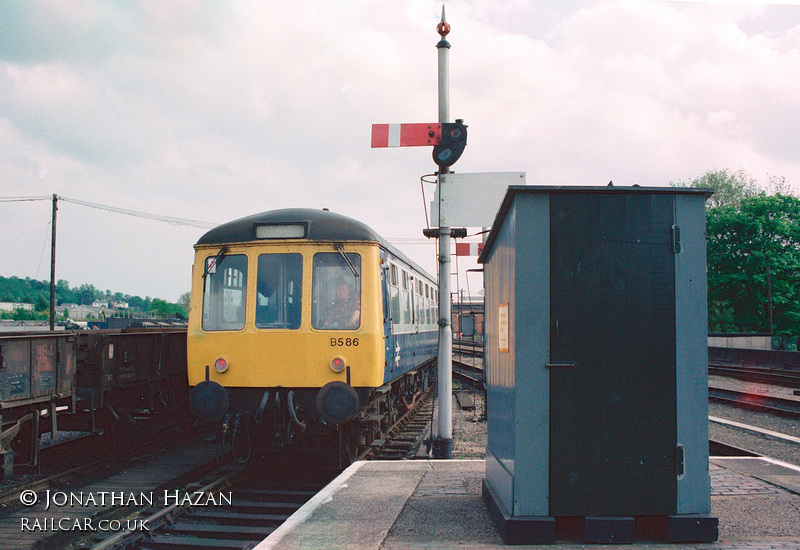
x: 306, y: 321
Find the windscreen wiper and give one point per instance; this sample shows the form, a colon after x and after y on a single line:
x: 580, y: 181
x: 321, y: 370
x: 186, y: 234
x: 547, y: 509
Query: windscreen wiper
x: 349, y: 263
x: 212, y: 266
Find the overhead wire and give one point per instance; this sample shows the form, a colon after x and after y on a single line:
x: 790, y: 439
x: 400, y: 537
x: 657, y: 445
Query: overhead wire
x: 44, y: 247
x: 23, y: 199
x: 157, y: 217
x: 128, y: 212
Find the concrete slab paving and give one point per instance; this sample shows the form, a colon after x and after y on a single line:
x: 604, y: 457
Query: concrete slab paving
x: 436, y: 505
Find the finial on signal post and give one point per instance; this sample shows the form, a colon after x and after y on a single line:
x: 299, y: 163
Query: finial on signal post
x: 443, y: 28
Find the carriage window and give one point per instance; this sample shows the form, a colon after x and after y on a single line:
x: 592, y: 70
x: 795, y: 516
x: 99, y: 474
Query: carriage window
x: 224, y: 292
x: 394, y: 297
x: 405, y: 300
x: 336, y: 293
x: 279, y: 290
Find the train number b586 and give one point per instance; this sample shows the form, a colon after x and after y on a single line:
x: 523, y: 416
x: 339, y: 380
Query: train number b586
x: 336, y: 342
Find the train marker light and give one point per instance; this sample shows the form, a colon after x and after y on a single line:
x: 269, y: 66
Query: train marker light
x: 221, y: 365
x: 337, y: 364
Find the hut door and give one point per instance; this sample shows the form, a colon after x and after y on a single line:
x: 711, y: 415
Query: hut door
x: 612, y: 349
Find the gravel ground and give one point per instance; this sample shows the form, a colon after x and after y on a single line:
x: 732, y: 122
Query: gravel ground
x: 469, y: 427
x: 780, y: 450
x: 469, y: 430
x: 782, y: 424
x: 741, y: 385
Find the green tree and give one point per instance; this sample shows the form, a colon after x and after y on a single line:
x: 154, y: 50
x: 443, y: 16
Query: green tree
x: 729, y: 187
x: 167, y: 309
x: 184, y: 300
x: 743, y: 236
x: 88, y: 293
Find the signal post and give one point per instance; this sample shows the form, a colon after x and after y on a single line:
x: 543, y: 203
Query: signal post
x: 448, y: 140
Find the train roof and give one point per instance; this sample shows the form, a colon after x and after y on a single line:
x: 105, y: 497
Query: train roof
x: 298, y: 223
x: 316, y: 225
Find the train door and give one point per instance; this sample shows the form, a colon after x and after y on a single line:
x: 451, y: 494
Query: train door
x: 414, y: 306
x: 391, y: 312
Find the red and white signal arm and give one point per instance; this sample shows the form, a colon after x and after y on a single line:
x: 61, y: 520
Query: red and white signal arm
x: 406, y: 135
x: 468, y: 249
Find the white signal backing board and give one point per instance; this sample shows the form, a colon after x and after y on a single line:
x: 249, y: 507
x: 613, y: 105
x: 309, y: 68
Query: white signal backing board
x: 471, y: 200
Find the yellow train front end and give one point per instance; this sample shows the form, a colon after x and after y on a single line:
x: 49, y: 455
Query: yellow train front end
x: 253, y: 342
x: 285, y: 327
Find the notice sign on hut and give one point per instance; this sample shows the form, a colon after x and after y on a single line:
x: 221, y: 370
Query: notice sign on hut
x: 502, y: 320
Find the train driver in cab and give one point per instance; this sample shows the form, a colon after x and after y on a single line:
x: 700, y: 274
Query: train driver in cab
x: 344, y: 313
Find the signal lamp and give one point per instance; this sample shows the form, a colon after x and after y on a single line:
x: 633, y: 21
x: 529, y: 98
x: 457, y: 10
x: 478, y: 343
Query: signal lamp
x: 221, y: 365
x: 454, y: 139
x: 337, y: 364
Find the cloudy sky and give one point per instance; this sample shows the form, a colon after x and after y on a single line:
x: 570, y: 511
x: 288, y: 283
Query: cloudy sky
x: 212, y: 111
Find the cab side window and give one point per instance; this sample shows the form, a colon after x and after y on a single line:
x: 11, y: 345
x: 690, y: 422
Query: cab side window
x: 225, y: 292
x: 336, y: 291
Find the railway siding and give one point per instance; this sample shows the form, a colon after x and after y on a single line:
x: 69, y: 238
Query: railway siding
x: 50, y: 518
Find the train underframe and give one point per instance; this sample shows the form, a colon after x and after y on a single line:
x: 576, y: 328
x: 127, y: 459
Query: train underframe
x: 291, y: 420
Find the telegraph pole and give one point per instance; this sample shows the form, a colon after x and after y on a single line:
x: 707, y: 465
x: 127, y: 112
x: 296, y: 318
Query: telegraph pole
x: 443, y: 444
x: 53, y: 265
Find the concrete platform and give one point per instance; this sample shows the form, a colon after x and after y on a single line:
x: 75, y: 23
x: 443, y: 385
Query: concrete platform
x: 436, y: 504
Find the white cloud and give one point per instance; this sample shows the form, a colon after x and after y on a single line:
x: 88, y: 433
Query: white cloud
x: 210, y: 112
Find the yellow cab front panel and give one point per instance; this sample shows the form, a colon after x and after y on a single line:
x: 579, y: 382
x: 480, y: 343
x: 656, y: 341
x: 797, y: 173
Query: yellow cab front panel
x: 268, y: 315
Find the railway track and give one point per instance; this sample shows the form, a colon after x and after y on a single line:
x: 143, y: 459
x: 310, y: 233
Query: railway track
x: 755, y: 401
x: 404, y: 439
x: 720, y: 448
x: 234, y: 510
x: 471, y: 374
x: 788, y: 377
x: 79, y: 457
x: 250, y: 509
x: 466, y: 347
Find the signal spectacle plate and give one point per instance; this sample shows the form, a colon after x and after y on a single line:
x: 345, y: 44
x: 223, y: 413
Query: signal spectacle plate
x: 208, y: 401
x: 337, y: 402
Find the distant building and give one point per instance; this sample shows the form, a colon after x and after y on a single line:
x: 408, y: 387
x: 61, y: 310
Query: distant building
x: 100, y: 303
x: 77, y: 312
x: 120, y: 305
x: 11, y: 306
